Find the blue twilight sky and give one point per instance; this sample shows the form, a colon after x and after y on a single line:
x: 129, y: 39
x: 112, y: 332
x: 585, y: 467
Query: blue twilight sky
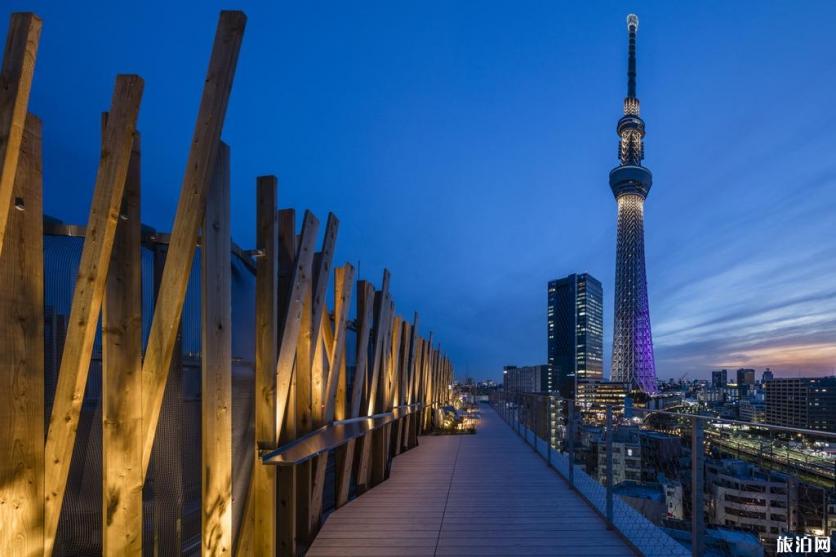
x: 466, y: 146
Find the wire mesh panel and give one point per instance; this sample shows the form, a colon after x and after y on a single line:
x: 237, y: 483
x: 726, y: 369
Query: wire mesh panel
x: 171, y: 494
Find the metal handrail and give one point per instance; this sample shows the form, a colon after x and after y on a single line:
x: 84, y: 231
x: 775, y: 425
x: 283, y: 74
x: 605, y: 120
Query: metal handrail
x: 333, y: 436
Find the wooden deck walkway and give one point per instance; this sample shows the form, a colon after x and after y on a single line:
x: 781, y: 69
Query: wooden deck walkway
x: 483, y: 494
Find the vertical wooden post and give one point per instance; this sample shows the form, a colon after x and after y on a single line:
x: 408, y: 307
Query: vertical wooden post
x: 187, y: 221
x: 216, y: 360
x: 22, y: 358
x: 261, y: 507
x: 121, y: 378
x: 304, y: 423
x: 16, y: 77
x: 287, y: 512
x: 87, y: 297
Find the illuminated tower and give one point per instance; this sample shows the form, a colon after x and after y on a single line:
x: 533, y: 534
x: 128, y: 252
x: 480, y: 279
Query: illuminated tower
x: 632, y: 351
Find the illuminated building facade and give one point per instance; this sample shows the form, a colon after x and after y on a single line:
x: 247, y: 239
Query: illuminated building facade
x: 632, y: 355
x: 594, y: 397
x: 807, y: 403
x: 575, y: 331
x: 746, y: 497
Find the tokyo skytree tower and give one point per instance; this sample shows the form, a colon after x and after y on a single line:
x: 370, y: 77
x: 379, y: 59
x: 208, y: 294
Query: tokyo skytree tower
x: 632, y: 352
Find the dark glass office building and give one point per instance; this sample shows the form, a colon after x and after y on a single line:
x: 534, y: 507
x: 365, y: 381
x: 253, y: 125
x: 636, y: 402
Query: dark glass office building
x: 575, y: 331
x: 807, y: 403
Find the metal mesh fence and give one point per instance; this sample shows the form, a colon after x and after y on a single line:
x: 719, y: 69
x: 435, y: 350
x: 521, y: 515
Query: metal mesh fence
x: 171, y: 495
x: 676, y: 483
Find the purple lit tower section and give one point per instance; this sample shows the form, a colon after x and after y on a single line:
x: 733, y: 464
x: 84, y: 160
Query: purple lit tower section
x: 632, y: 352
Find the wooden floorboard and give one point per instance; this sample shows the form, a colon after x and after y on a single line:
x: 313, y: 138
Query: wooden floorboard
x: 483, y: 494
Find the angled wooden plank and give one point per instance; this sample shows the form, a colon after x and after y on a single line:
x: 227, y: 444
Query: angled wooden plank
x: 15, y: 84
x: 385, y: 340
x: 122, y: 379
x: 402, y: 353
x: 343, y: 280
x: 290, y: 322
x: 22, y: 358
x: 321, y: 273
x: 366, y: 443
x: 401, y: 378
x: 187, y: 220
x: 87, y: 297
x: 394, y: 373
x: 370, y: 467
x: 381, y: 438
x: 216, y: 363
x: 365, y: 311
x: 286, y: 258
x: 345, y: 455
x: 381, y: 310
x: 258, y: 533
x: 410, y: 363
x: 286, y: 219
x: 341, y: 405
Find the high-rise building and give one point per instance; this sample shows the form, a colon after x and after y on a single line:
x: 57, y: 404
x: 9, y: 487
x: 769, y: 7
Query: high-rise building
x: 526, y: 379
x: 767, y: 375
x: 719, y: 378
x: 575, y: 321
x: 808, y: 403
x: 745, y: 377
x: 632, y: 353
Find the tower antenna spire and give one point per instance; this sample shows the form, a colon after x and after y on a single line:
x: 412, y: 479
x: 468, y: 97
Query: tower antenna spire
x: 632, y: 28
x: 630, y: 181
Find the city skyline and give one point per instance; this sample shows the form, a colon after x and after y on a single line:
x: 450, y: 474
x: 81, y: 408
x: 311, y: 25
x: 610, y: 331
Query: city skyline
x: 503, y: 123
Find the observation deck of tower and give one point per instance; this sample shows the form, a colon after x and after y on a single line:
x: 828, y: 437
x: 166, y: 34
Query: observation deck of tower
x: 632, y: 355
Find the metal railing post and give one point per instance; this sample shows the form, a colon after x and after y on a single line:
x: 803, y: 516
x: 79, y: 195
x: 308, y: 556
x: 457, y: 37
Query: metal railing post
x: 570, y: 431
x: 527, y: 422
x: 697, y: 479
x: 536, y: 413
x: 609, y: 467
x: 549, y: 430
x: 518, y: 414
